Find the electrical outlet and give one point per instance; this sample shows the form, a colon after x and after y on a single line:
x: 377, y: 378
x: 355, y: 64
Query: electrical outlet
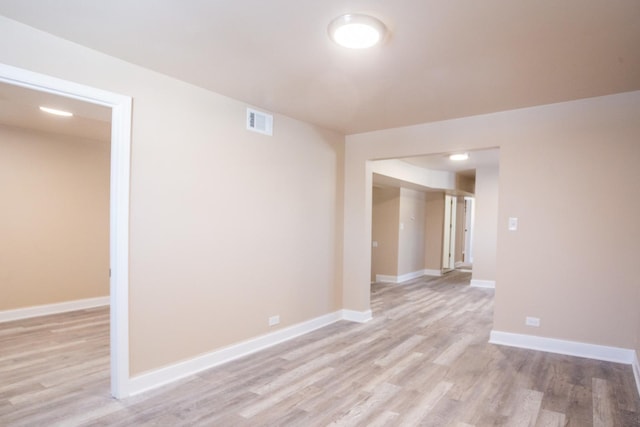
x: 532, y: 321
x: 274, y: 320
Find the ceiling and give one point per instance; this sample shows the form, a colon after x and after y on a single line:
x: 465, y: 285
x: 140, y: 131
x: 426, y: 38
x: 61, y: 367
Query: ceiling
x: 20, y: 107
x: 442, y: 59
x: 489, y: 158
x: 441, y: 162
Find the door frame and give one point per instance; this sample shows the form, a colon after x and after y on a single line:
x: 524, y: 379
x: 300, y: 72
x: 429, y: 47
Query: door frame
x: 470, y: 205
x: 118, y: 205
x: 449, y: 233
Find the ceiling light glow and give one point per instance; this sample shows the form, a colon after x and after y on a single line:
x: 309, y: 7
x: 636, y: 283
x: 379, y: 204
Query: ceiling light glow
x: 458, y: 157
x: 355, y: 31
x: 56, y: 112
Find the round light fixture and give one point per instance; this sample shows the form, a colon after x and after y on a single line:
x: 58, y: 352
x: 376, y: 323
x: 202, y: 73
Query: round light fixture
x: 356, y: 31
x: 458, y: 157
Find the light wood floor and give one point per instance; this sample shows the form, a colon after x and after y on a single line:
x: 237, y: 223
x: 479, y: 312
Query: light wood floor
x: 423, y: 360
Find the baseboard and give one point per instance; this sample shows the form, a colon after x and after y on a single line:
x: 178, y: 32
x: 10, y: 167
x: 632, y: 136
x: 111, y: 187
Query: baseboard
x: 570, y: 348
x: 356, y: 316
x: 463, y: 266
x: 408, y: 276
x: 47, y: 309
x: 428, y: 272
x: 398, y: 279
x: 490, y: 284
x: 169, y: 374
x: 636, y: 371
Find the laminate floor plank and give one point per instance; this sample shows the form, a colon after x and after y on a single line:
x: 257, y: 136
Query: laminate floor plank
x: 423, y: 360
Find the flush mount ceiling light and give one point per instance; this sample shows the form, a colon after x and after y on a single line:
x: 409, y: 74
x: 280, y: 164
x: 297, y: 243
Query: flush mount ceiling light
x: 56, y: 112
x: 458, y: 157
x: 356, y: 31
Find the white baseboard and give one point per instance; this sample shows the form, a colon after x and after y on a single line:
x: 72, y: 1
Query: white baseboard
x: 636, y: 371
x: 428, y: 272
x: 169, y: 374
x: 461, y: 264
x: 398, y: 279
x: 356, y: 316
x: 47, y: 309
x: 408, y: 276
x: 490, y: 284
x: 570, y: 348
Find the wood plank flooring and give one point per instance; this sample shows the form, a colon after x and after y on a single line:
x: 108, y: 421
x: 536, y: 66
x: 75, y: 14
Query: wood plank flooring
x: 423, y: 360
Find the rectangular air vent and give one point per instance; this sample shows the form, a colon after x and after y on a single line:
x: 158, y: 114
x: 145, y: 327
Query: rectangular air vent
x: 260, y: 122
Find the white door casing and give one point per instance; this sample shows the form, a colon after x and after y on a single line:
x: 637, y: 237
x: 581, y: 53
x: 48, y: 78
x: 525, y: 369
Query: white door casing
x: 118, y: 206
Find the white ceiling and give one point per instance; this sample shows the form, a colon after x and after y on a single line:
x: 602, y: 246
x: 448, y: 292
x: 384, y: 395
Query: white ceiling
x: 20, y: 107
x: 441, y: 162
x: 489, y: 158
x: 443, y: 59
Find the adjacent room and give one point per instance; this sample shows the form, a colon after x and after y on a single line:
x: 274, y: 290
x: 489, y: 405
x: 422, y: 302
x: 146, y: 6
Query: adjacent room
x: 250, y: 217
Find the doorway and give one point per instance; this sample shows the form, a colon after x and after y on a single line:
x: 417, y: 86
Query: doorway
x: 118, y: 205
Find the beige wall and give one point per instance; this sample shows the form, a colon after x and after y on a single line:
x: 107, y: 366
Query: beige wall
x: 466, y: 183
x: 227, y: 227
x: 384, y: 231
x: 485, y: 227
x: 398, y: 227
x: 55, y: 218
x: 411, y: 242
x: 570, y: 192
x: 434, y: 231
x: 566, y: 171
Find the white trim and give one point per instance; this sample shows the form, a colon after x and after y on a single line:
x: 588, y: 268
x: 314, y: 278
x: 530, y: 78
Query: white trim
x: 476, y: 283
x: 47, y: 309
x: 119, y: 245
x: 356, y: 316
x: 171, y: 373
x: 571, y: 348
x: 636, y: 371
x: 437, y: 273
x: 119, y: 203
x: 383, y: 278
x: 410, y: 276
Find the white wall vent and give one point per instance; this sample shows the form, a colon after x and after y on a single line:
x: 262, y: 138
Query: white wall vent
x: 260, y: 122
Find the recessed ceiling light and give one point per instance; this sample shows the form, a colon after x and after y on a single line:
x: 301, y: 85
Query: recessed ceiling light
x: 356, y: 31
x: 56, y: 112
x: 459, y: 156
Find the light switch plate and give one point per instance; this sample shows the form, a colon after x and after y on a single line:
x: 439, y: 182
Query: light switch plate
x: 513, y: 223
